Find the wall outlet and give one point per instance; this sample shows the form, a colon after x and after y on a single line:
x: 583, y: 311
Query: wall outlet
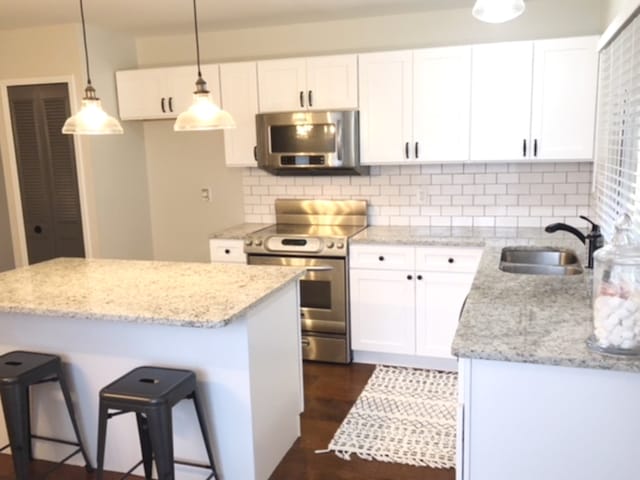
x: 205, y: 194
x: 422, y: 195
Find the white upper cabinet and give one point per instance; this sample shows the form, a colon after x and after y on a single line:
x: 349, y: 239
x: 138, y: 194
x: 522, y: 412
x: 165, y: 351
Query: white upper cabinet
x: 534, y: 100
x: 414, y: 106
x: 441, y: 104
x: 385, y: 107
x: 239, y: 91
x: 565, y: 86
x: 315, y: 83
x: 501, y: 101
x: 155, y: 93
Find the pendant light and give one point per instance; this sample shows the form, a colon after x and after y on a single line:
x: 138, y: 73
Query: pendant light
x: 203, y: 114
x: 91, y: 119
x: 497, y: 11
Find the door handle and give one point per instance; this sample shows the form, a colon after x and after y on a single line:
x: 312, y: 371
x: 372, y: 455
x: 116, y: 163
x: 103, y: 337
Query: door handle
x: 310, y: 96
x: 319, y: 269
x: 301, y: 99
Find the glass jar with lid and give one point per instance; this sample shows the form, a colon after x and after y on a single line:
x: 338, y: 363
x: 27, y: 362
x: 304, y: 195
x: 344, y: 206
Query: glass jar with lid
x: 616, y: 295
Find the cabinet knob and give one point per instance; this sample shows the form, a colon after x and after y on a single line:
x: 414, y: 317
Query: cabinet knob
x: 451, y: 260
x: 381, y: 258
x: 37, y: 229
x: 419, y: 277
x: 227, y: 251
x: 409, y: 277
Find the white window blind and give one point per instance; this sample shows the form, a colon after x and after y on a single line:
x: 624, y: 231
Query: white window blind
x: 617, y: 166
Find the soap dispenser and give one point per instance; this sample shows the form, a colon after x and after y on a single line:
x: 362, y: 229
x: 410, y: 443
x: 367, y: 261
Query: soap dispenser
x: 616, y: 294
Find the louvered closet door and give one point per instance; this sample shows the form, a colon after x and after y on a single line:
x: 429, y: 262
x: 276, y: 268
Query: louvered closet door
x: 47, y: 171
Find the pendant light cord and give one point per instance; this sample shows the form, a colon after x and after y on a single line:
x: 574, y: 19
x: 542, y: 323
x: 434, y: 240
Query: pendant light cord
x: 84, y: 36
x: 195, y: 21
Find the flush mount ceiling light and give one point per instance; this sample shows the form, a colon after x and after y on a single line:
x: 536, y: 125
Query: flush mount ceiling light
x: 91, y: 119
x: 497, y: 11
x: 203, y: 114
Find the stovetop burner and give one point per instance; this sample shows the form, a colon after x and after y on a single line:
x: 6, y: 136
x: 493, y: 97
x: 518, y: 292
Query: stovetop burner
x: 310, y: 228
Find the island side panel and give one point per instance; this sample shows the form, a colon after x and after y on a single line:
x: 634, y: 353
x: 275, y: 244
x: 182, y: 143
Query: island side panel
x: 530, y: 421
x: 275, y: 358
x: 95, y: 352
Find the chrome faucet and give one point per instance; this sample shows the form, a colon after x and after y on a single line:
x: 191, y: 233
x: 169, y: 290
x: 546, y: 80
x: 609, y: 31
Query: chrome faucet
x: 593, y: 240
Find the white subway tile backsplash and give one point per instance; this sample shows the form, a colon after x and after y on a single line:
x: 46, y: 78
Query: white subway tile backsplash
x: 501, y: 194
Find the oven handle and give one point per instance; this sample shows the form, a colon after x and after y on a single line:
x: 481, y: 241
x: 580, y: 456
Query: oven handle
x: 318, y: 269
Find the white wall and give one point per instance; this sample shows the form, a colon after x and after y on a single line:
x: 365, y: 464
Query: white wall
x: 116, y: 196
x: 611, y: 8
x: 179, y: 166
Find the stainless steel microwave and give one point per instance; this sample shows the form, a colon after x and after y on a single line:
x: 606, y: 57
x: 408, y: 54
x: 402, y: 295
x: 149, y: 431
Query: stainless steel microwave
x: 313, y: 142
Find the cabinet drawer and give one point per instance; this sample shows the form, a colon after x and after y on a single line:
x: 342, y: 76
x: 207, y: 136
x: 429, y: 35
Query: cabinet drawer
x: 382, y: 257
x: 227, y: 251
x: 448, y: 259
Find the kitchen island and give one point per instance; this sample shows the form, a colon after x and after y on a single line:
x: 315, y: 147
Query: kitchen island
x: 236, y: 326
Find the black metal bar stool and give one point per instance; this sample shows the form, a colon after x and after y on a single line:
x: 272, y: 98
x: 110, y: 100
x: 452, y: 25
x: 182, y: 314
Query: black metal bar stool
x: 19, y: 371
x: 152, y: 392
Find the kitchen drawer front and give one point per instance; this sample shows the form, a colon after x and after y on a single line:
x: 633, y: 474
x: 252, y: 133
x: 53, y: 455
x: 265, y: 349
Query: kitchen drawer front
x: 227, y: 251
x: 382, y: 257
x: 448, y: 259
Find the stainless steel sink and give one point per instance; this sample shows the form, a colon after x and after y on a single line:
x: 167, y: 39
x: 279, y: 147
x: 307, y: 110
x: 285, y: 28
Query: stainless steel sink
x: 540, y: 261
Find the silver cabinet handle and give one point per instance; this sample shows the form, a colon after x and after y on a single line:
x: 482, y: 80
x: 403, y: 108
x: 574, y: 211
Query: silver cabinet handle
x: 319, y: 269
x: 310, y: 96
x: 301, y: 99
x: 171, y: 104
x: 162, y: 105
x: 417, y: 151
x: 406, y: 150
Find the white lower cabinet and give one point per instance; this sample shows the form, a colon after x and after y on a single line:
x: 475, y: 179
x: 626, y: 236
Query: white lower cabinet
x: 406, y: 300
x: 227, y: 250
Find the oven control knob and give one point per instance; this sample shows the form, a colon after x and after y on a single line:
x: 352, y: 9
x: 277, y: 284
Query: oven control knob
x: 248, y: 242
x: 258, y: 242
x: 329, y: 244
x: 339, y: 245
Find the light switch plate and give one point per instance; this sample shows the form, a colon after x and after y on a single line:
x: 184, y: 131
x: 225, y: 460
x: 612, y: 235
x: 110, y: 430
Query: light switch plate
x: 205, y: 194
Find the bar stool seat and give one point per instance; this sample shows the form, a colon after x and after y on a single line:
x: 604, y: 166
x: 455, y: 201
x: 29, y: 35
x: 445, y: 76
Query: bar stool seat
x: 20, y: 370
x: 151, y: 393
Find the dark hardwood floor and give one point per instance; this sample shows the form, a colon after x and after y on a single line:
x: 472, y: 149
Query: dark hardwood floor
x: 330, y: 391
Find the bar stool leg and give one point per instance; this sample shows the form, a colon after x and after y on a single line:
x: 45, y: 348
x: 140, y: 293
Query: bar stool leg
x: 102, y: 437
x: 203, y: 429
x: 15, y: 404
x: 145, y: 445
x: 161, y: 432
x: 67, y: 400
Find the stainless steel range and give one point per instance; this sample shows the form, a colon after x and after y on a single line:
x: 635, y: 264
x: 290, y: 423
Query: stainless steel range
x: 314, y: 234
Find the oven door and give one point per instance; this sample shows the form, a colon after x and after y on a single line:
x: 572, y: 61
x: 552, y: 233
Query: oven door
x: 322, y: 291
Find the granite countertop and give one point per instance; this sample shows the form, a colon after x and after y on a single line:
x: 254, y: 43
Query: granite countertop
x: 238, y: 232
x: 170, y: 293
x: 513, y: 317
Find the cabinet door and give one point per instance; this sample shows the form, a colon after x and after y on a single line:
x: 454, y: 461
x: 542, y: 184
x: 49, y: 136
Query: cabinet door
x: 332, y: 82
x: 501, y: 101
x: 385, y: 107
x: 439, y: 299
x: 239, y: 90
x: 441, y: 104
x: 227, y: 251
x: 382, y: 311
x: 565, y: 75
x: 142, y: 94
x: 282, y: 85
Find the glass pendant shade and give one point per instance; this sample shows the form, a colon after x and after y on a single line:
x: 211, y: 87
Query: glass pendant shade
x: 203, y: 114
x: 91, y: 119
x: 497, y: 11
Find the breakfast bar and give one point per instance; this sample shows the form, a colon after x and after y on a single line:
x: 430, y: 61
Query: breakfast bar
x: 236, y: 326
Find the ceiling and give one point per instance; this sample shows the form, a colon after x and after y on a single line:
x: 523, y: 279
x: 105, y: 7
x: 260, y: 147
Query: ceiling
x: 151, y: 17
